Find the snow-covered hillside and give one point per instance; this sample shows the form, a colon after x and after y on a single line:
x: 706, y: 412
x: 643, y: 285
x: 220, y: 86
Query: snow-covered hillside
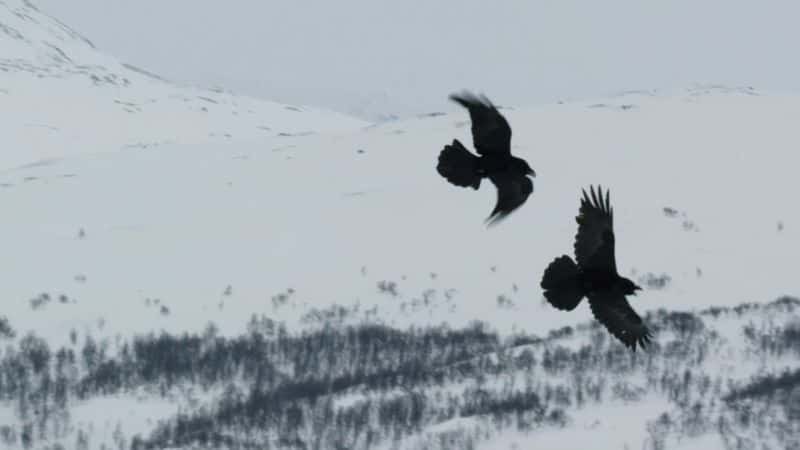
x: 132, y: 205
x: 701, y: 186
x: 723, y: 378
x: 59, y: 96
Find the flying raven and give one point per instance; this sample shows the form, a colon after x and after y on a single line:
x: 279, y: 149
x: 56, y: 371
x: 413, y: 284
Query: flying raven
x: 595, y: 275
x: 491, y: 137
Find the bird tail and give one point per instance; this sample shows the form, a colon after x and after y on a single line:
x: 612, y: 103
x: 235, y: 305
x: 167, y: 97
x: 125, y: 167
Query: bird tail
x: 459, y: 166
x: 562, y: 283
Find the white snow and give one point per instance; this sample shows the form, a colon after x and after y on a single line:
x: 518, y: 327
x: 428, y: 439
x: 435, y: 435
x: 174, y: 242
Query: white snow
x: 101, y: 417
x: 617, y: 425
x: 180, y: 223
x: 141, y: 201
x: 60, y: 97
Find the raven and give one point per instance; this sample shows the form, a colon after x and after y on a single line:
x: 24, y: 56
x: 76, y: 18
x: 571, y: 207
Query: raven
x: 491, y: 137
x: 595, y: 275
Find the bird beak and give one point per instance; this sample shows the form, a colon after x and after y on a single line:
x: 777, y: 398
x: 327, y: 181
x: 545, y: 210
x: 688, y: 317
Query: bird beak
x: 532, y: 173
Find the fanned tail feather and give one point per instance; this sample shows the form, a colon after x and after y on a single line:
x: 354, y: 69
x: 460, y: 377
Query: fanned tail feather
x: 561, y: 283
x: 459, y: 166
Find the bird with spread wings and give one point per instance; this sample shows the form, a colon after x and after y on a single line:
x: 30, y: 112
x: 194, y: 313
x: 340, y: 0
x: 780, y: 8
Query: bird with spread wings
x: 594, y: 275
x: 491, y: 136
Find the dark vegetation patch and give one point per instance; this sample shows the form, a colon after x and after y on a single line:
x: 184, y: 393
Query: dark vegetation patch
x: 359, y: 385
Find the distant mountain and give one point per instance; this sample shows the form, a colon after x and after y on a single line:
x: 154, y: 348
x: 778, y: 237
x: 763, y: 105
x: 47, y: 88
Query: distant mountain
x: 60, y: 96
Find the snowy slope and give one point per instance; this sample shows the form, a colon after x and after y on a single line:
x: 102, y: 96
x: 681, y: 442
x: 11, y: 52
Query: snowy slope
x: 332, y: 216
x: 59, y: 96
x: 723, y: 378
x: 137, y: 206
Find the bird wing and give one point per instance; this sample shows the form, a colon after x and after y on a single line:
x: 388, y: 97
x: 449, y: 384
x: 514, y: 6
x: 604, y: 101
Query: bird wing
x: 594, y: 243
x: 491, y: 134
x: 615, y: 313
x: 512, y: 191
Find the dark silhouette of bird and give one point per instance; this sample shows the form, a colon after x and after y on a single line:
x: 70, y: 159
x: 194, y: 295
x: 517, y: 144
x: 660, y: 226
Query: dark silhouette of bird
x: 595, y: 276
x: 491, y: 137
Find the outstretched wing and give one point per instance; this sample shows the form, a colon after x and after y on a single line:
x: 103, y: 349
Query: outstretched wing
x: 491, y: 134
x: 512, y: 191
x: 594, y: 243
x: 616, y: 314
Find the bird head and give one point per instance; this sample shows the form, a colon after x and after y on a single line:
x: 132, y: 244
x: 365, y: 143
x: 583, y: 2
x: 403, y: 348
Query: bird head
x: 529, y: 170
x: 629, y: 287
x: 524, y: 167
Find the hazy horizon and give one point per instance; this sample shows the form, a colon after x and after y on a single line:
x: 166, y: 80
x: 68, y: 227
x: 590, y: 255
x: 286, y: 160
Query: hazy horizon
x: 404, y: 58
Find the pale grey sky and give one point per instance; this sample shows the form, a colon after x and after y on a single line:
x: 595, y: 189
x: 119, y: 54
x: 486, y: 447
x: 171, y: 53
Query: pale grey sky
x: 405, y: 57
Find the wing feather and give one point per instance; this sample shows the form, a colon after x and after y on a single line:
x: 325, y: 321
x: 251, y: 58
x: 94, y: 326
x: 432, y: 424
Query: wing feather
x: 491, y: 134
x: 615, y: 313
x: 594, y: 243
x: 512, y: 191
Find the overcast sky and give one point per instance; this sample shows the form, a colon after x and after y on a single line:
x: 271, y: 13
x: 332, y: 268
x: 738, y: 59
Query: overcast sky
x: 405, y: 56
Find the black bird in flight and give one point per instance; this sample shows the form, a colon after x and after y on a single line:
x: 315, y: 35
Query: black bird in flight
x: 491, y: 137
x: 595, y: 275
